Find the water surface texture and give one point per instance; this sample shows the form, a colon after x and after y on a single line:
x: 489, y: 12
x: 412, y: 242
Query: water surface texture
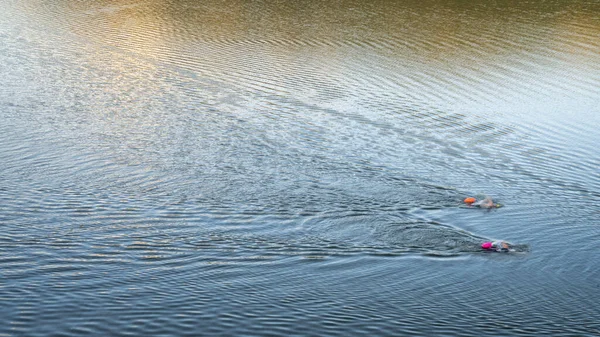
x: 296, y: 168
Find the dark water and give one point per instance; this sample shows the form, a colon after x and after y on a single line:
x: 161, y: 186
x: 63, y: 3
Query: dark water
x: 265, y: 168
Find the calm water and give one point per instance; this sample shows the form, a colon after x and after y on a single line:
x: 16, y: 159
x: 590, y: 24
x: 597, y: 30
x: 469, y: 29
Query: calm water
x: 279, y: 168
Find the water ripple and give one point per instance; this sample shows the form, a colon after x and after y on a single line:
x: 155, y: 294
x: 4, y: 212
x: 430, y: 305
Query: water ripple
x: 185, y: 168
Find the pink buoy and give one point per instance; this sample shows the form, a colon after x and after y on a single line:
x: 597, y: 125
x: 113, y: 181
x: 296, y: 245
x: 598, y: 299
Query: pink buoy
x: 486, y: 245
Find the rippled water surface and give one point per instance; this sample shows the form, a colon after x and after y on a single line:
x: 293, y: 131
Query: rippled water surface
x: 275, y: 168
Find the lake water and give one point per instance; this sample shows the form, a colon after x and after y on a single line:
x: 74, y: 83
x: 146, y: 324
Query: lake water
x: 297, y: 168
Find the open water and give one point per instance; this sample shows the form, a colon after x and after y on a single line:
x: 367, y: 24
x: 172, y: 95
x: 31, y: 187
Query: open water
x: 296, y: 168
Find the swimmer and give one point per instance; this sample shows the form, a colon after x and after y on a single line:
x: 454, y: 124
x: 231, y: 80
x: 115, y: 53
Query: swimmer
x: 485, y: 203
x: 498, y: 246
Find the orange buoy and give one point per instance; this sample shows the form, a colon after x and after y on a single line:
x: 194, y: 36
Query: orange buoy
x: 470, y: 200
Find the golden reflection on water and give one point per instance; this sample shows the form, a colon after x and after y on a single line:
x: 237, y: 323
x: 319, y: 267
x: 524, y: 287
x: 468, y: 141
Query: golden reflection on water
x: 434, y: 50
x: 439, y: 27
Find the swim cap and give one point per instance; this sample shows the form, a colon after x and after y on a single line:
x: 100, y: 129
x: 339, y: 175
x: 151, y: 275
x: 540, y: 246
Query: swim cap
x: 470, y: 200
x: 486, y: 245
